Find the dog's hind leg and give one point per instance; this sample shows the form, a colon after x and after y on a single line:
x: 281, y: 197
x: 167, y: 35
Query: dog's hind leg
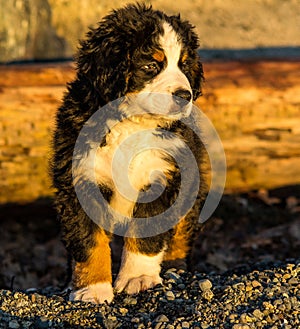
x: 92, y: 279
x: 180, y: 246
x: 141, y: 264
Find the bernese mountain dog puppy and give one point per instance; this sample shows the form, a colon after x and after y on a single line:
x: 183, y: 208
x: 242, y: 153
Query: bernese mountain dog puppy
x: 135, y: 56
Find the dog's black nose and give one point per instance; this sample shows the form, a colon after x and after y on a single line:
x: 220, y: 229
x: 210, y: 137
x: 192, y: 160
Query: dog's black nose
x: 182, y: 97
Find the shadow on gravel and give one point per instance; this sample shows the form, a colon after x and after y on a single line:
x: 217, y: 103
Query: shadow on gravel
x: 255, y: 227
x: 252, y: 228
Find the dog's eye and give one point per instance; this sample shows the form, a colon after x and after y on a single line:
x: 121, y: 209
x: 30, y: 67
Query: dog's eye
x: 150, y: 68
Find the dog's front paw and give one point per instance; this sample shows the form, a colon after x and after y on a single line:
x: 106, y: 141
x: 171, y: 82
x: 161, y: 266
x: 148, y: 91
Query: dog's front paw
x: 135, y: 285
x: 96, y: 293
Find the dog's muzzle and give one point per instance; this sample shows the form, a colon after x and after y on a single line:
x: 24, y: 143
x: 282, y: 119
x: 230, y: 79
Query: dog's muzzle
x: 182, y: 97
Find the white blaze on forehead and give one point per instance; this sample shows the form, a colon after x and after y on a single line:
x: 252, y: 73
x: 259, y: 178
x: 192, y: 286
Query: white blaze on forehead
x: 169, y: 80
x: 170, y: 44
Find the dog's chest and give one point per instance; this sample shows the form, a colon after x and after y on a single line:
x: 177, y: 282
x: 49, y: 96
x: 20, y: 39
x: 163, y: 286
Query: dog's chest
x: 135, y: 155
x: 134, y: 152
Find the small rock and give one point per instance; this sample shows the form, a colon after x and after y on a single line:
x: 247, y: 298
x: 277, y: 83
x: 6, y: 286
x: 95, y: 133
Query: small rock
x: 232, y: 317
x: 170, y: 326
x: 286, y: 276
x: 293, y: 281
x: 35, y: 298
x: 179, y: 301
x: 185, y: 324
x: 256, y: 284
x: 205, y: 325
x: 161, y: 318
x: 281, y: 307
x: 158, y: 325
x: 267, y: 305
x: 205, y: 284
x: 13, y: 324
x: 16, y: 295
x: 130, y: 301
x: 112, y: 317
x: 135, y: 320
x: 258, y: 314
x: 207, y: 294
x: 245, y: 318
x: 123, y: 310
x: 26, y: 324
x: 239, y: 285
x: 169, y: 295
x: 172, y: 275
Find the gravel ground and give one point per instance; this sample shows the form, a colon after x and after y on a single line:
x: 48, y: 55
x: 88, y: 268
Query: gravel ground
x: 244, y: 272
x: 267, y: 297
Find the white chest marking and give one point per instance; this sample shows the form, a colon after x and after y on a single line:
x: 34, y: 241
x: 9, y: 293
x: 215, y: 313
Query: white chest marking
x: 134, y: 157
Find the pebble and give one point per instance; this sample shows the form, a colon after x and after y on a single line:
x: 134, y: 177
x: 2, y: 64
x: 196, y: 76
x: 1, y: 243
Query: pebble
x: 207, y: 294
x: 130, y: 301
x: 123, y: 310
x: 185, y: 300
x: 239, y: 285
x: 172, y: 275
x: 181, y: 286
x: 170, y: 326
x: 258, y: 314
x: 159, y: 326
x: 255, y: 284
x: 13, y: 324
x: 232, y: 317
x: 169, y: 295
x: 293, y: 281
x: 135, y: 320
x: 161, y: 318
x: 205, y: 284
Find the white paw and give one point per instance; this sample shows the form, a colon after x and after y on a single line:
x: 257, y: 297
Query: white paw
x: 138, y: 272
x: 96, y: 293
x: 135, y: 285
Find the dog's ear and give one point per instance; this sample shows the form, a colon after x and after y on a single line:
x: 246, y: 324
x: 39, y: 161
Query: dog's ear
x: 104, y: 61
x: 197, y: 78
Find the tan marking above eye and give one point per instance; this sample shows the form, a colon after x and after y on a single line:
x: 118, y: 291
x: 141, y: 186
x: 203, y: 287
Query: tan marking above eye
x: 159, y: 56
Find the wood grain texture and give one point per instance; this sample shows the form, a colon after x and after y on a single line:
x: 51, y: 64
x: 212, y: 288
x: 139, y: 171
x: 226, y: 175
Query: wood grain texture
x: 255, y: 107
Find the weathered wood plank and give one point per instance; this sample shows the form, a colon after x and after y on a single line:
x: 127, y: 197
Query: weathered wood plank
x: 255, y: 107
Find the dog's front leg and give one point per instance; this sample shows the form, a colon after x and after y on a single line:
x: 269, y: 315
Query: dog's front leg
x: 141, y: 264
x: 92, y: 280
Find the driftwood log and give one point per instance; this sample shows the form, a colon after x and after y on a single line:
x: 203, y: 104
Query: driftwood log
x: 255, y: 107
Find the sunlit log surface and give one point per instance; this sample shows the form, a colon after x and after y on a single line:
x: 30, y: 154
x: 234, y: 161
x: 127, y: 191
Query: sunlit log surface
x: 255, y: 107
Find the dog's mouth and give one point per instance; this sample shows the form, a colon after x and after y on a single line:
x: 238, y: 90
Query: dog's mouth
x: 180, y: 107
